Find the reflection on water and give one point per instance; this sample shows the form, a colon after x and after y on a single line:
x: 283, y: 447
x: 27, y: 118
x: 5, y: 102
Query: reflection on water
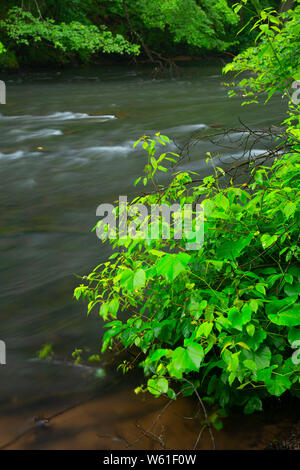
x: 66, y: 147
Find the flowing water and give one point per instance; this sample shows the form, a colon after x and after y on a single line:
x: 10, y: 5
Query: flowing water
x: 65, y: 147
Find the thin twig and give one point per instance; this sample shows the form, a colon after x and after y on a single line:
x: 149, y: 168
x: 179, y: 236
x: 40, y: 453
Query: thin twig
x: 204, y: 412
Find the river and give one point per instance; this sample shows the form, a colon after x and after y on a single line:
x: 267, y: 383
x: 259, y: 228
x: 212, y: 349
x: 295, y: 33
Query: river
x: 66, y: 147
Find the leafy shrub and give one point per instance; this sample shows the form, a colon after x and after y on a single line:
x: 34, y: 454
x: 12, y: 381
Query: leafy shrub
x: 225, y: 315
x: 221, y: 319
x: 274, y: 61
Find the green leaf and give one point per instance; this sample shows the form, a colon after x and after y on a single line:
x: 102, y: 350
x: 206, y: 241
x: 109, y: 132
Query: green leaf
x: 250, y: 329
x: 113, y: 307
x: 158, y: 354
x: 296, y: 76
x: 196, y: 354
x: 222, y: 201
x: 254, y: 404
x: 262, y: 357
x: 290, y: 317
x: 170, y: 266
x: 260, y: 288
x: 158, y: 386
x: 195, y: 307
x: 230, y: 249
x: 154, y: 163
x: 250, y: 364
x: 277, y: 306
x: 157, y: 253
x: 139, y: 279
x: 137, y: 181
x: 246, y: 313
x: 126, y: 279
x: 253, y: 305
x: 232, y: 360
x: 289, y: 209
x: 104, y: 310
x: 278, y: 384
x: 294, y: 335
x: 204, y: 329
x: 237, y: 318
x: 256, y: 339
x: 180, y: 362
x: 268, y: 240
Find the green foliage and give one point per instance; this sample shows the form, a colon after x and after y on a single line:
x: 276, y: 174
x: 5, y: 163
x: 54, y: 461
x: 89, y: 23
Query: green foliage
x: 46, y: 352
x: 224, y: 316
x: 23, y: 28
x: 201, y: 24
x: 166, y: 27
x: 221, y: 315
x: 2, y: 48
x: 274, y: 62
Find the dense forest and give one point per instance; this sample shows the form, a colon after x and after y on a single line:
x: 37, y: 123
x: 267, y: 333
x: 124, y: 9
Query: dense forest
x: 39, y: 32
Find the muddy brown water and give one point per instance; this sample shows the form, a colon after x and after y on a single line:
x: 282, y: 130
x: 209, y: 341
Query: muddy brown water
x: 121, y: 420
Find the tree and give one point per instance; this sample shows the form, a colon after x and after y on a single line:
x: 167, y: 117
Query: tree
x: 24, y: 28
x: 119, y: 26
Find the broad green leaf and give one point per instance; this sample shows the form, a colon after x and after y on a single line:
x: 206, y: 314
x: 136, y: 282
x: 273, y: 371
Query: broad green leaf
x: 126, y: 279
x: 262, y: 357
x: 289, y: 209
x: 256, y: 339
x: 139, y: 279
x: 239, y: 318
x: 170, y: 266
x: 278, y: 384
x: 196, y: 354
x: 230, y: 249
x: 294, y: 335
x: 260, y: 288
x: 277, y: 306
x: 158, y: 386
x: 204, y: 329
x: 250, y: 364
x: 268, y: 240
x: 290, y: 317
x: 181, y: 361
x: 158, y: 354
x: 253, y: 305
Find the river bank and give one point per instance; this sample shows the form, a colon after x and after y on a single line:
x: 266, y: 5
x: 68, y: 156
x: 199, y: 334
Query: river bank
x: 122, y: 420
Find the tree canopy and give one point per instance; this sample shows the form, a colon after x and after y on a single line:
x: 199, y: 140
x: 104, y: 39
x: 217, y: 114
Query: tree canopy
x: 64, y: 30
